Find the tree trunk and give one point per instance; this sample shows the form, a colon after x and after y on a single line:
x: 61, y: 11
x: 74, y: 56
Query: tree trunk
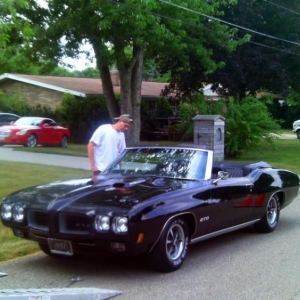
x: 130, y: 87
x: 108, y: 89
x: 131, y: 84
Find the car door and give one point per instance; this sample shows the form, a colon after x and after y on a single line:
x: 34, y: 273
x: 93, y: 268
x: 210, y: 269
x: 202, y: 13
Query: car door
x: 202, y: 211
x: 231, y: 203
x: 48, y: 132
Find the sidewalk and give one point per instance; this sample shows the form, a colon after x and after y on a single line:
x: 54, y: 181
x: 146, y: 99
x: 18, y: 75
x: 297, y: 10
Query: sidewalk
x: 76, y: 162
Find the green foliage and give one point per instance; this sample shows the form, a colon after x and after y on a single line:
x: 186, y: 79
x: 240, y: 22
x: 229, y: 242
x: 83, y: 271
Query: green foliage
x: 196, y: 105
x: 248, y: 126
x: 86, y: 73
x: 82, y: 116
x: 248, y: 123
x: 164, y: 108
x: 16, y: 41
x: 14, y: 104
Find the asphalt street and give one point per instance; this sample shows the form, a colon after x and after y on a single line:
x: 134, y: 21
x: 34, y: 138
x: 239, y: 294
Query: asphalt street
x: 242, y: 265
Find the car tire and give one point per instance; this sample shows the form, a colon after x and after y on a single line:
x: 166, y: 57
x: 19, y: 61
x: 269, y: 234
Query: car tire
x: 64, y: 141
x: 32, y: 141
x: 298, y: 134
x: 169, y: 253
x: 270, y: 219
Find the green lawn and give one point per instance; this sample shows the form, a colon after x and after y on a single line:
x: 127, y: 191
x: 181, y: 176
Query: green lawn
x: 15, y: 176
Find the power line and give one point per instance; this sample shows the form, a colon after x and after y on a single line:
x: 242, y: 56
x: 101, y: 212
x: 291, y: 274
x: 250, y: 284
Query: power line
x: 178, y: 20
x: 231, y: 24
x: 289, y: 10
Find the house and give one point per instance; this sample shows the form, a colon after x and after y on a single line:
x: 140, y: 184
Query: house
x: 49, y: 90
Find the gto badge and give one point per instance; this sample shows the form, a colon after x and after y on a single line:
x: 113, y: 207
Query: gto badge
x: 204, y: 219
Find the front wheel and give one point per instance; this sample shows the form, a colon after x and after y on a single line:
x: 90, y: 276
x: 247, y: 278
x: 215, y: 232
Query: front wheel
x: 298, y: 134
x: 64, y: 141
x: 169, y: 253
x: 31, y: 141
x: 270, y: 219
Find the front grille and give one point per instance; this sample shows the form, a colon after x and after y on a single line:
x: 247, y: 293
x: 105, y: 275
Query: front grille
x: 66, y: 224
x: 74, y: 224
x: 38, y: 220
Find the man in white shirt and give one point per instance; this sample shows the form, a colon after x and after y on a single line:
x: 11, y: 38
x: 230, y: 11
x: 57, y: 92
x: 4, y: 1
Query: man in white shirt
x: 107, y: 142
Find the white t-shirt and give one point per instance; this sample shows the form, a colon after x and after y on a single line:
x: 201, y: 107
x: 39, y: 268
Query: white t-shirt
x: 109, y: 143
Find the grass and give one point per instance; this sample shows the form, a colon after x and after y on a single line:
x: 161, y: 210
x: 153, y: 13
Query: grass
x: 71, y: 150
x: 284, y: 155
x: 15, y: 176
x: 20, y: 175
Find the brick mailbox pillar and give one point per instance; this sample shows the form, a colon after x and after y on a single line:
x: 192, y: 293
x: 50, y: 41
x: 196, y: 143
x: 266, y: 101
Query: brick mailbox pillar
x: 209, y: 133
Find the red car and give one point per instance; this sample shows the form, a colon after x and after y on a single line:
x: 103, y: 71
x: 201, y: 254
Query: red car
x: 33, y: 131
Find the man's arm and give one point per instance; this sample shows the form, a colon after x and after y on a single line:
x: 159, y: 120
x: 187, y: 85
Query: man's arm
x: 91, y: 154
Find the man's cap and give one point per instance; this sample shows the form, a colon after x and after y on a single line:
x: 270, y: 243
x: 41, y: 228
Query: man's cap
x: 125, y: 118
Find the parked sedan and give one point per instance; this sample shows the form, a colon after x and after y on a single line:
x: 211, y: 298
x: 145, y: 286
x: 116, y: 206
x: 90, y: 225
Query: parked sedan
x: 8, y: 118
x: 33, y: 131
x: 151, y: 200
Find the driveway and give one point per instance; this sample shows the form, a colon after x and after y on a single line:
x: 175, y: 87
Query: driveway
x: 242, y: 265
x: 7, y: 153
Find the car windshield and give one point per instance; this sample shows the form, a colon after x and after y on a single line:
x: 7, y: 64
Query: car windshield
x: 28, y: 121
x: 164, y: 162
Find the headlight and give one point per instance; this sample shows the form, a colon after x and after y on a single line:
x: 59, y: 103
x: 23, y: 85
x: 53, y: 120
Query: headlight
x: 18, y: 212
x: 120, y: 225
x: 22, y: 132
x: 6, y: 211
x: 102, y: 223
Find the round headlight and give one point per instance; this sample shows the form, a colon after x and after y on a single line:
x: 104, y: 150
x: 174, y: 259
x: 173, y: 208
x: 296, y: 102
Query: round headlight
x: 121, y: 224
x: 6, y: 211
x: 18, y: 213
x: 102, y: 223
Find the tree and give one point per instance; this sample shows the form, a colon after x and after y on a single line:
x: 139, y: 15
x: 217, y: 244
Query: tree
x: 16, y: 34
x: 264, y: 63
x: 123, y: 33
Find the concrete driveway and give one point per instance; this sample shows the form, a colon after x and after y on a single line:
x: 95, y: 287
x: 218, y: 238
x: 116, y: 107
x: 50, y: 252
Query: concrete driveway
x: 7, y: 153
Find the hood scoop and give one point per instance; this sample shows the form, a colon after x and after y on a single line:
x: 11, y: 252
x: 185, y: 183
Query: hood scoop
x: 128, y: 184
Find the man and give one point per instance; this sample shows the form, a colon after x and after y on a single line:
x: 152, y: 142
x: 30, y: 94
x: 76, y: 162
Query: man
x: 107, y: 142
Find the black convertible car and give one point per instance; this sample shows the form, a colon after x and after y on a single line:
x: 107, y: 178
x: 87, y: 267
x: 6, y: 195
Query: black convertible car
x: 151, y: 200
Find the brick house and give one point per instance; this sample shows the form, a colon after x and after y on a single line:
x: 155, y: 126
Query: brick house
x: 49, y: 90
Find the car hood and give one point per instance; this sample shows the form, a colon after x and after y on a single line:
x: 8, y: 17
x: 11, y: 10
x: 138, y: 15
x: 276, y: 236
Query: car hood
x: 123, y: 192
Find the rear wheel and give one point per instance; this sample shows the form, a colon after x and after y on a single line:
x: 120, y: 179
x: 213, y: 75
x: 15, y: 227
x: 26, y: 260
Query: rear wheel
x: 31, y: 141
x: 298, y: 134
x: 169, y: 253
x: 64, y: 141
x: 270, y: 219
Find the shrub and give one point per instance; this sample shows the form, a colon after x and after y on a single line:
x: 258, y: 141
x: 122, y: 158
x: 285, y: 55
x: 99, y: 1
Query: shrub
x: 82, y: 116
x: 248, y: 125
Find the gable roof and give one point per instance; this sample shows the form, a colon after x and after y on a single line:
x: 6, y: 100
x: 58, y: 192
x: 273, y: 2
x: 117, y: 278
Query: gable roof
x: 82, y: 87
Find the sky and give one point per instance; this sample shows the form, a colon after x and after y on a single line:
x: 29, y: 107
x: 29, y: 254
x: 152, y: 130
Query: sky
x: 81, y: 63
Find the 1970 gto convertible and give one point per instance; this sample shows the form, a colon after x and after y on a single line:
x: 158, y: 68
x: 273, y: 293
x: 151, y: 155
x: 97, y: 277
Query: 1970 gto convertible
x: 151, y: 200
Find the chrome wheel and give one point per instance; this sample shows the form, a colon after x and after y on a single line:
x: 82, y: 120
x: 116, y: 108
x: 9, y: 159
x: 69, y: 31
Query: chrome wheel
x: 272, y: 211
x: 175, y: 242
x: 32, y: 141
x: 64, y: 141
x: 269, y: 220
x: 170, y: 251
